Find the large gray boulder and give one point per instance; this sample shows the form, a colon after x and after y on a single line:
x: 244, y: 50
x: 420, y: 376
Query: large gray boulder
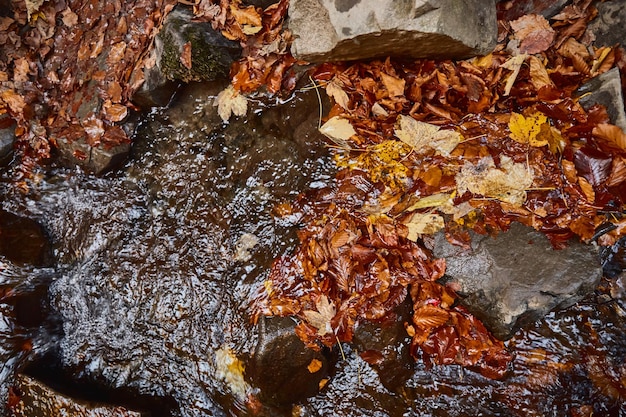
x: 342, y: 30
x: 516, y: 278
x: 605, y: 89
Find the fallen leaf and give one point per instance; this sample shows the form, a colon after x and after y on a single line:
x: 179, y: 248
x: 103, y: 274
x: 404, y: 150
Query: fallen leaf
x: 231, y: 102
x: 424, y: 136
x: 423, y: 224
x: 526, y: 129
x: 434, y: 200
x: 538, y: 74
x: 32, y: 7
x: 430, y: 317
x: 339, y: 130
x: 514, y: 64
x: 321, y: 318
x: 15, y: 101
x: 394, y: 85
x: 379, y: 111
x: 314, y: 366
x: 185, y: 56
x: 116, y: 53
x: 552, y: 136
x: 21, y: 70
x: 69, y: 18
x: 334, y: 90
x: 507, y: 183
x: 587, y: 189
x: 114, y: 112
x: 612, y: 134
x: 534, y: 33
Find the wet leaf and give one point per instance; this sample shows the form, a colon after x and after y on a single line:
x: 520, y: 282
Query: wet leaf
x: 430, y: 317
x: 15, y: 101
x: 514, y: 64
x: 612, y: 134
x: 185, y: 57
x: 231, y: 102
x: 114, y: 112
x: 321, y: 318
x: 314, y: 366
x: 587, y: 189
x: 339, y: 130
x: 423, y: 224
x: 538, y: 74
x: 424, y: 136
x: 334, y: 90
x: 434, y: 200
x: 534, y: 33
x: 527, y: 129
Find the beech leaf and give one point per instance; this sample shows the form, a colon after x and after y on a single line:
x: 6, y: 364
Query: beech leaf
x: 612, y: 134
x: 514, y: 64
x: 424, y: 136
x: 321, y: 318
x: 423, y: 224
x: 538, y: 74
x: 230, y: 102
x: 534, y: 33
x: 334, y: 90
x: 338, y: 129
x: 394, y: 85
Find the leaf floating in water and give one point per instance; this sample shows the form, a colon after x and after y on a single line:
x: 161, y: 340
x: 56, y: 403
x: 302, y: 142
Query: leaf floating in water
x: 231, y: 102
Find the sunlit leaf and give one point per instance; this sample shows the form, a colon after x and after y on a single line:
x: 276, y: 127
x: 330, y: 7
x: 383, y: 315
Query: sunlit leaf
x: 231, y: 102
x: 526, y: 129
x: 321, y: 318
x: 339, y: 130
x: 424, y: 136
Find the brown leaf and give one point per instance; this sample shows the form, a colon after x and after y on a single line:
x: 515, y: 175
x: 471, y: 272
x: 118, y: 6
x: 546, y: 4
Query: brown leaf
x: 21, y: 70
x: 618, y: 172
x: 430, y: 317
x: 612, y: 134
x: 116, y: 53
x: 69, y: 18
x: 534, y: 33
x: 335, y: 90
x: 114, y: 112
x: 185, y: 56
x: 321, y: 318
x: 94, y: 128
x: 587, y: 189
x: 394, y: 86
x: 538, y: 74
x: 15, y: 101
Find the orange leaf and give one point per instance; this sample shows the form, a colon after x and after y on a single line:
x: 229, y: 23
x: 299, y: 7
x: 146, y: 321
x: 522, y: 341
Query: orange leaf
x: 314, y: 366
x: 185, y: 56
x: 430, y: 317
x: 538, y: 74
x: 611, y: 133
x: 395, y: 86
x: 114, y: 112
x: 587, y: 189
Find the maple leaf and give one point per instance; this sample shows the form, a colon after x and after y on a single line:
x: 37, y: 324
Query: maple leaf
x: 507, y: 183
x: 339, y: 130
x: 334, y: 90
x: 534, y: 33
x: 424, y: 136
x: 423, y: 224
x: 526, y: 129
x: 321, y: 318
x: 230, y: 102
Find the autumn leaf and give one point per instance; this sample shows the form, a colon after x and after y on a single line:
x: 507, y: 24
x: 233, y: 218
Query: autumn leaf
x: 114, y: 112
x: 15, y: 101
x: 507, y: 183
x: 514, y: 64
x: 434, y: 200
x: 248, y: 18
x: 230, y: 102
x: 334, y: 90
x: 527, y: 129
x: 69, y: 18
x: 393, y: 85
x: 383, y: 163
x: 424, y: 136
x: 538, y: 74
x: 534, y: 33
x: 612, y: 134
x: 185, y: 56
x: 314, y: 366
x: 339, y: 130
x: 321, y: 318
x: 429, y: 317
x: 32, y: 7
x: 423, y: 224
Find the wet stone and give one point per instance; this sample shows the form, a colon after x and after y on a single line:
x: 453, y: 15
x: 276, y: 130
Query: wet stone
x: 329, y: 30
x: 36, y: 399
x: 23, y: 241
x: 605, y: 89
x: 609, y: 27
x: 7, y: 136
x: 516, y: 278
x: 282, y: 367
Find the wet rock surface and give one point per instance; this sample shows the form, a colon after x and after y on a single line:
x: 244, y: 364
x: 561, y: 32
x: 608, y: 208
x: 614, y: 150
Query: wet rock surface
x: 606, y: 90
x: 23, y: 241
x: 516, y: 278
x: 7, y: 136
x: 327, y: 30
x: 609, y: 27
x: 37, y: 399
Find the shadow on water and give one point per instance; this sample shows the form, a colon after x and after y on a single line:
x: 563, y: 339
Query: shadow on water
x: 145, y: 276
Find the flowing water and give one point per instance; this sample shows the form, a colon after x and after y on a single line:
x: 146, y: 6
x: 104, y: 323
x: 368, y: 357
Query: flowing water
x: 144, y: 291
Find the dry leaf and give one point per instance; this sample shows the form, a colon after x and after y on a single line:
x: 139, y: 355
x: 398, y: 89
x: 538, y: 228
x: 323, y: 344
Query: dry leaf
x: 514, y: 64
x: 424, y: 136
x: 230, y: 102
x: 538, y: 74
x: 114, y: 112
x: 394, y: 86
x: 339, y: 130
x: 32, y: 7
x: 69, y: 18
x: 423, y: 224
x: 534, y: 33
x: 379, y: 111
x: 314, y: 366
x: 21, y: 70
x: 526, y: 129
x: 185, y: 56
x: 321, y: 318
x: 571, y: 47
x: 612, y: 134
x: 334, y: 90
x: 116, y: 53
x: 15, y: 101
x: 507, y: 183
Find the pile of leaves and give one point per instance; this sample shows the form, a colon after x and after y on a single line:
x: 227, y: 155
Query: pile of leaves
x: 428, y: 146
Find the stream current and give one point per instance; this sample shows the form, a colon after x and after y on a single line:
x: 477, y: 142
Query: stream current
x: 151, y: 269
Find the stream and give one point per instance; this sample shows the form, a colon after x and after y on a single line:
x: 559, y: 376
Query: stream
x: 133, y: 288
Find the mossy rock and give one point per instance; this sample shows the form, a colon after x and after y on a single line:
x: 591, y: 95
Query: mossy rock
x: 211, y: 53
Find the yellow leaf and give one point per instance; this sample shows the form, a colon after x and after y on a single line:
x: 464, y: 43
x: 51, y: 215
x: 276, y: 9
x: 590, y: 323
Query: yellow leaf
x: 246, y: 15
x: 423, y: 224
x: 383, y: 163
x: 526, y: 129
x: 230, y: 102
x: 321, y: 318
x: 424, y: 136
x: 339, y: 130
x: 552, y: 135
x: 230, y: 369
x: 334, y: 90
x: 434, y: 200
x: 507, y: 183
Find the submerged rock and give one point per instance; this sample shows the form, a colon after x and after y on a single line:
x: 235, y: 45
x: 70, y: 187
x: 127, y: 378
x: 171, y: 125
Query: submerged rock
x: 341, y: 30
x: 36, y: 399
x: 282, y: 367
x: 516, y: 278
x: 23, y: 241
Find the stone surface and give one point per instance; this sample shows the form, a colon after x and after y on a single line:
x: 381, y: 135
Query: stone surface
x: 516, y: 278
x: 37, y: 399
x: 23, y: 241
x: 280, y: 364
x: 514, y: 9
x: 336, y: 30
x: 386, y: 347
x: 605, y: 89
x: 609, y: 27
x: 7, y: 136
x: 93, y: 159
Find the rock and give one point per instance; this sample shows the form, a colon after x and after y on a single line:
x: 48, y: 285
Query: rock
x: 516, y: 278
x: 511, y: 10
x: 605, y: 89
x: 23, y: 241
x: 386, y: 347
x: 338, y: 30
x: 609, y: 27
x: 93, y: 159
x: 7, y: 136
x: 280, y: 365
x: 37, y: 399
